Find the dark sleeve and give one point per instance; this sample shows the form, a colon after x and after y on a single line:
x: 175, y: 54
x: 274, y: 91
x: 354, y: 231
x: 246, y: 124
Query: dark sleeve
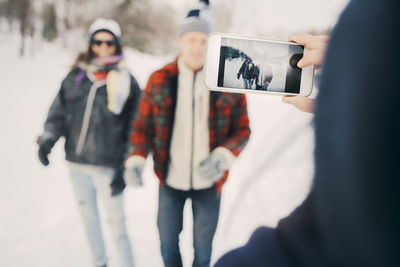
x: 55, y: 121
x: 262, y: 250
x: 255, y: 73
x: 351, y: 216
x: 270, y: 73
x: 241, y: 70
x: 134, y: 98
x: 292, y: 243
x: 132, y: 107
x: 358, y: 137
x: 140, y: 140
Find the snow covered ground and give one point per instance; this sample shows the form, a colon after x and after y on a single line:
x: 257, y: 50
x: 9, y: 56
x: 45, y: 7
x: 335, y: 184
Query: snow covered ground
x: 39, y: 221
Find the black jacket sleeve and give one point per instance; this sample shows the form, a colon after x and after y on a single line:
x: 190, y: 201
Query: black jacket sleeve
x: 241, y: 70
x: 54, y: 125
x: 132, y: 106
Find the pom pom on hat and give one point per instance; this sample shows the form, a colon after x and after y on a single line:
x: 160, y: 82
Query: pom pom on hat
x: 198, y: 20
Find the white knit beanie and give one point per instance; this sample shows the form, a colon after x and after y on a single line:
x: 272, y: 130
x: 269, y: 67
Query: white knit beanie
x: 108, y: 25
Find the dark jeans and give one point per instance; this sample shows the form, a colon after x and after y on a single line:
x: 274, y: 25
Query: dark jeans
x: 263, y: 88
x: 205, y: 206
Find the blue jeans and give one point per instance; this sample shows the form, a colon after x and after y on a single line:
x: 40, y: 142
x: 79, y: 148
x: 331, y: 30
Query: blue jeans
x: 92, y: 182
x: 205, y: 206
x: 247, y: 84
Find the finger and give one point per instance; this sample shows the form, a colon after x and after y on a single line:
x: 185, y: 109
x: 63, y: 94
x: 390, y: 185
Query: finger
x: 323, y: 38
x: 313, y: 57
x: 309, y: 41
x: 300, y: 38
x: 286, y: 99
x: 302, y: 103
x: 292, y: 99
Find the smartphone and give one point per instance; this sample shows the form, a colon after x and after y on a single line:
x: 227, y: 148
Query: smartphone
x: 248, y: 65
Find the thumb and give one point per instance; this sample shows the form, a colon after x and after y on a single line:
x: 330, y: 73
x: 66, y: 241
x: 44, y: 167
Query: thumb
x: 287, y: 99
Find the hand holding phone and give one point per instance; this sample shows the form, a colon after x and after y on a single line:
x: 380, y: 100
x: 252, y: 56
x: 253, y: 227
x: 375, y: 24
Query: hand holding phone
x: 316, y: 46
x: 247, y: 65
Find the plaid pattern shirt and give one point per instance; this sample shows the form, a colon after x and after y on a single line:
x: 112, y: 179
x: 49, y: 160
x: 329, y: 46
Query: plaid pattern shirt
x: 152, y: 127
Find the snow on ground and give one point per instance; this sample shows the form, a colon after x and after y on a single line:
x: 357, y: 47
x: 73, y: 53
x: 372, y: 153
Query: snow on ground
x: 39, y: 220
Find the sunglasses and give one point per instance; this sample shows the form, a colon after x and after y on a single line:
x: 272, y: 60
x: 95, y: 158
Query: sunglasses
x: 100, y: 42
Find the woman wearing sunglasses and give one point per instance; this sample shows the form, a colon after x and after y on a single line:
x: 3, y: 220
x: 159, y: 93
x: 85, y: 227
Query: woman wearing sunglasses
x: 93, y: 110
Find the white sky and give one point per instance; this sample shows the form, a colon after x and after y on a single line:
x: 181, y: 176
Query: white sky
x: 258, y: 17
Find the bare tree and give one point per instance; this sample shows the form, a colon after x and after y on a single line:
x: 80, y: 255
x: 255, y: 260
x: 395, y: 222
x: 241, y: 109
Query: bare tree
x: 22, y: 9
x: 146, y: 27
x: 49, y: 17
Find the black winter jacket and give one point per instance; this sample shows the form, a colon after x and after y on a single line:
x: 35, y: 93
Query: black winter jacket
x: 93, y: 134
x: 247, y: 73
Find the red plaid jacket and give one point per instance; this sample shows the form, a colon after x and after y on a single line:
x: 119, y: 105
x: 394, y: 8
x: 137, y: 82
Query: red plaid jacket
x: 152, y: 127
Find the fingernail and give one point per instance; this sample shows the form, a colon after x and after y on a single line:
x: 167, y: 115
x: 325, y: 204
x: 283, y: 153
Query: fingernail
x: 300, y: 64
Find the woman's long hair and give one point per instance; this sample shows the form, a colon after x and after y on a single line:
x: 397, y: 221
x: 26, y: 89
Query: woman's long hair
x: 88, y: 55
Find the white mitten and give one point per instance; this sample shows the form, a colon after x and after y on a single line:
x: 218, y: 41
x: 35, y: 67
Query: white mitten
x: 215, y: 165
x: 134, y: 166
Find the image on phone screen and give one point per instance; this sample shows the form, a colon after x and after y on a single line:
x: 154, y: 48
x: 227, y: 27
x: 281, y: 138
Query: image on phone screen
x: 259, y: 65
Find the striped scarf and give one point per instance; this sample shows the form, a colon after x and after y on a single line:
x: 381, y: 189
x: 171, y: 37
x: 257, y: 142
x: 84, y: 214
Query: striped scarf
x: 113, y: 70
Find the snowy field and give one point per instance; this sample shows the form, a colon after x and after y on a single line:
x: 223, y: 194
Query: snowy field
x: 39, y: 219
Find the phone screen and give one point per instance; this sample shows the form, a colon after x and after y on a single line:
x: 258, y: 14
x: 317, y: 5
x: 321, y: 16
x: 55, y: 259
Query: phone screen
x: 259, y: 65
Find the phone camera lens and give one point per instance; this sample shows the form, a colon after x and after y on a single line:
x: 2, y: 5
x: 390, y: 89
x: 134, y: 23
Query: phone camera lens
x: 294, y: 60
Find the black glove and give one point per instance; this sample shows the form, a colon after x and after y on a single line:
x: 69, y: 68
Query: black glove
x: 118, y: 183
x: 238, y: 76
x: 46, y: 143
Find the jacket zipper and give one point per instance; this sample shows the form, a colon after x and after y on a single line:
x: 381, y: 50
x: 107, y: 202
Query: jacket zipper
x: 87, y: 115
x: 193, y: 118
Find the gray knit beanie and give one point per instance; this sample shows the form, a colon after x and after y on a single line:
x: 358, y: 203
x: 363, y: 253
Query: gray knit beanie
x: 198, y: 20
